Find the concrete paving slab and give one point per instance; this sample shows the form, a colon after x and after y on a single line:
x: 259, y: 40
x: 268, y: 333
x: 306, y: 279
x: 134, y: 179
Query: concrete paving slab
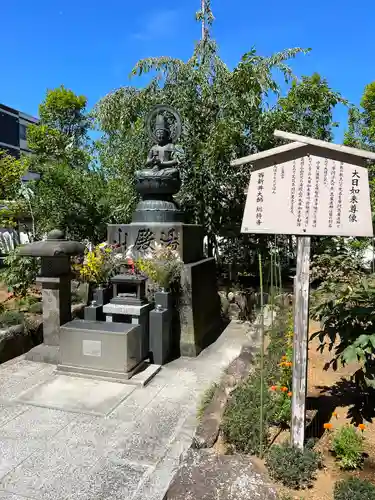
x: 88, y: 431
x: 147, y: 439
x: 35, y: 424
x: 12, y: 453
x: 96, y: 440
x: 22, y: 368
x: 135, y: 403
x: 51, y: 474
x: 78, y: 395
x: 9, y: 496
x: 12, y: 386
x: 8, y: 411
x: 112, y: 480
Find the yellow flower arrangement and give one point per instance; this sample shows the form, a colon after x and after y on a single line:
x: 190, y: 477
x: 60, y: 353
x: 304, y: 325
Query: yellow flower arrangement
x: 98, y: 266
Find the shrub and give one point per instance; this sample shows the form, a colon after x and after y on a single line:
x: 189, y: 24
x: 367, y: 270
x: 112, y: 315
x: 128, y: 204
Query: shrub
x: 241, y: 418
x: 20, y: 272
x: 36, y: 308
x: 348, y: 447
x: 293, y: 467
x: 282, y: 408
x: 11, y: 318
x: 354, y: 489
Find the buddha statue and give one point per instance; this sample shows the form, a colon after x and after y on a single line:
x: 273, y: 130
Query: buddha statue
x: 162, y: 156
x: 160, y: 179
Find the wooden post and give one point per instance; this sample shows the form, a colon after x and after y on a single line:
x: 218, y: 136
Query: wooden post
x: 300, y: 342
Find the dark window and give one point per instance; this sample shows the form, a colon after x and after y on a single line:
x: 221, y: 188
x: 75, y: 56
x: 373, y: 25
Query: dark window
x: 9, y: 129
x: 23, y: 132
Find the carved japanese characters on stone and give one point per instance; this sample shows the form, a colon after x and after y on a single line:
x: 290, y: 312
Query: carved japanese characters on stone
x: 170, y: 239
x: 145, y: 239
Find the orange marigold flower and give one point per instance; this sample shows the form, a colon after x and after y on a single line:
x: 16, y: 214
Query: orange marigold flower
x: 362, y: 427
x: 327, y: 426
x: 273, y: 388
x: 283, y: 358
x: 289, y: 363
x: 284, y: 389
x: 290, y: 394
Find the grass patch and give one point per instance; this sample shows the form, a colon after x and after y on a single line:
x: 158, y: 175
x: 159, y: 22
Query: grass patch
x: 206, y: 399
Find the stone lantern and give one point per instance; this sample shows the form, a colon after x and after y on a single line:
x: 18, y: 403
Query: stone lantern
x: 55, y: 277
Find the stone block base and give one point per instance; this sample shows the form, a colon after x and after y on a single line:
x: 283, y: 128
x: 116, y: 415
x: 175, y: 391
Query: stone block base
x: 200, y: 307
x: 101, y: 347
x: 139, y: 375
x: 44, y: 353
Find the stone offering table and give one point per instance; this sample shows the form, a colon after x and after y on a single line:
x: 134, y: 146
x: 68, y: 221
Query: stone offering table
x: 101, y: 349
x: 55, y: 277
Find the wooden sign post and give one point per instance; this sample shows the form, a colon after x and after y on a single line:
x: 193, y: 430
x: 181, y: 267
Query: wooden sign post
x: 306, y: 188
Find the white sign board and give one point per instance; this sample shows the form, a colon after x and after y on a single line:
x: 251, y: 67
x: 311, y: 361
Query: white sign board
x: 309, y: 196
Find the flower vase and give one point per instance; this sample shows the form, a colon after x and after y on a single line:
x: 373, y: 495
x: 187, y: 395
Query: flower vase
x: 163, y: 299
x: 102, y: 294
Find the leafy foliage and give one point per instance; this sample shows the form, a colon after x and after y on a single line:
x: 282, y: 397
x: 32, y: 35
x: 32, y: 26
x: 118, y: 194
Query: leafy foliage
x: 354, y: 488
x: 206, y: 399
x: 163, y: 266
x: 19, y: 273
x: 361, y: 130
x: 348, y: 447
x: 11, y: 318
x: 293, y: 467
x: 240, y: 423
x: 11, y: 172
x: 307, y: 109
x: 61, y: 134
x: 77, y: 200
x: 347, y: 314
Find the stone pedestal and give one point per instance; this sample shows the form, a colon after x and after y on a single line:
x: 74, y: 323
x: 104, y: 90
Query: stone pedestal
x: 101, y: 349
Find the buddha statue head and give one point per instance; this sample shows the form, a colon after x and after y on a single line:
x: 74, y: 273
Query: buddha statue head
x: 162, y: 132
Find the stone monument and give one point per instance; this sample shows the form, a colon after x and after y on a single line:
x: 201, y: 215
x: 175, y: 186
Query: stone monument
x: 159, y: 219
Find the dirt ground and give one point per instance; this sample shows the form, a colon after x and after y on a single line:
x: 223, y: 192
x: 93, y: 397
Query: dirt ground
x: 331, y: 393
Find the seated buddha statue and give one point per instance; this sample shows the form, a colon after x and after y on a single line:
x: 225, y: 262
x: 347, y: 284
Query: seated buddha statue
x: 162, y: 159
x: 160, y: 179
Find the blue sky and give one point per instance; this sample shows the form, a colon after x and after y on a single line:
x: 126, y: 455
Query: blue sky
x: 91, y: 46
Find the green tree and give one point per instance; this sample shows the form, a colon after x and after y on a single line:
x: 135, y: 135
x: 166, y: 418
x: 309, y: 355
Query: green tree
x: 73, y: 192
x: 307, y: 108
x: 361, y: 122
x: 75, y: 200
x: 62, y: 132
x: 11, y: 173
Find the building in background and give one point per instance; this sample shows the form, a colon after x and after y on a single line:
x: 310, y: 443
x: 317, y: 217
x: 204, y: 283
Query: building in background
x: 13, y: 127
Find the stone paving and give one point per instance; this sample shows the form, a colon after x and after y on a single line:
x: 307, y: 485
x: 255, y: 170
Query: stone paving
x: 67, y: 438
